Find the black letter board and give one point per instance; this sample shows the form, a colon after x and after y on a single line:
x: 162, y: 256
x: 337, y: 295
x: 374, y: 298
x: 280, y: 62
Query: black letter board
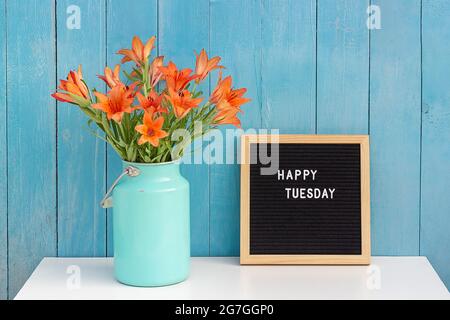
x: 305, y: 199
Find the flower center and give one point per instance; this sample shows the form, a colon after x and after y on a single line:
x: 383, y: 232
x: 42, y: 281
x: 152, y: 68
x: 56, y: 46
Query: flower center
x: 150, y: 132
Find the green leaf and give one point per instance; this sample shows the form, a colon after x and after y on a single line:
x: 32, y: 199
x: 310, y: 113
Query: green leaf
x: 129, y: 76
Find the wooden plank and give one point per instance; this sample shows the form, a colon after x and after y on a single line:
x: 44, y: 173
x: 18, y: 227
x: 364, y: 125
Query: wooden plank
x: 395, y: 86
x: 342, y: 67
x: 235, y: 36
x: 435, y: 219
x: 31, y: 137
x: 125, y: 19
x: 3, y: 160
x: 289, y: 86
x: 81, y: 156
x: 178, y: 44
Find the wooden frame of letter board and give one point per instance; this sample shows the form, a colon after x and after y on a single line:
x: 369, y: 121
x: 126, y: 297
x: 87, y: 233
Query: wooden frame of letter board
x: 362, y: 259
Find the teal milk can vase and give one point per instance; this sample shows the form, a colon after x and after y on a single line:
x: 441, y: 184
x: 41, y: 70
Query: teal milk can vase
x: 151, y: 225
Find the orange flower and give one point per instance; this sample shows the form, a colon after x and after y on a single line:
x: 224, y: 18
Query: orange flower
x: 112, y: 78
x: 151, y: 103
x: 116, y: 103
x: 74, y: 89
x: 224, y: 96
x: 154, y: 72
x: 138, y: 52
x: 228, y: 116
x: 203, y: 66
x: 221, y: 90
x: 228, y: 101
x: 233, y: 99
x: 151, y: 130
x: 175, y: 79
x: 182, y: 102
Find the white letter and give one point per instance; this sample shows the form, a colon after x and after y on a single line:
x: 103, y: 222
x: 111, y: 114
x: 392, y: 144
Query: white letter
x: 212, y: 151
x: 177, y: 151
x: 74, y: 20
x: 317, y: 193
x: 198, y: 143
x: 231, y: 135
x: 280, y: 175
x: 374, y: 17
x: 374, y: 279
x: 332, y: 192
x: 289, y: 175
x: 305, y: 174
x: 302, y: 193
x: 74, y: 280
x: 314, y: 174
x: 287, y: 192
x: 264, y: 157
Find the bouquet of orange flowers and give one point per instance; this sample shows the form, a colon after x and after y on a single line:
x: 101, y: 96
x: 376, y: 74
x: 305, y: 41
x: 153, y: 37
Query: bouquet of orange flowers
x: 138, y: 117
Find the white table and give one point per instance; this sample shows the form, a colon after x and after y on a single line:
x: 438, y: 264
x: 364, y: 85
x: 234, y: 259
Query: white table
x: 224, y: 278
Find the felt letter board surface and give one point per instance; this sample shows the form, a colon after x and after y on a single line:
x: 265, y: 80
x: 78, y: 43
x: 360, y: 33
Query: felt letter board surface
x: 305, y: 199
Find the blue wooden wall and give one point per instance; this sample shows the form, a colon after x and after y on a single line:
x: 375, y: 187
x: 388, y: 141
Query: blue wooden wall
x: 311, y: 66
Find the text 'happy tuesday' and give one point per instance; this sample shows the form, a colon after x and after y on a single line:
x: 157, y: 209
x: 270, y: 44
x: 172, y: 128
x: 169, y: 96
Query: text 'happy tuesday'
x: 302, y: 192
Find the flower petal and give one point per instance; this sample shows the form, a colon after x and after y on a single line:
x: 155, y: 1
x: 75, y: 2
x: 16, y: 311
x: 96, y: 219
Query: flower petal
x: 62, y: 97
x: 158, y: 123
x: 148, y: 47
x: 142, y: 129
x: 137, y: 46
x: 142, y: 140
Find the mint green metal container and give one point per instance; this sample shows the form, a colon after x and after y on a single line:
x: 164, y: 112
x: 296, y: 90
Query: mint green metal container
x: 151, y: 226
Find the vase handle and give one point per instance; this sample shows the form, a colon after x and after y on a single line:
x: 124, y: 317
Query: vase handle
x: 107, y: 201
